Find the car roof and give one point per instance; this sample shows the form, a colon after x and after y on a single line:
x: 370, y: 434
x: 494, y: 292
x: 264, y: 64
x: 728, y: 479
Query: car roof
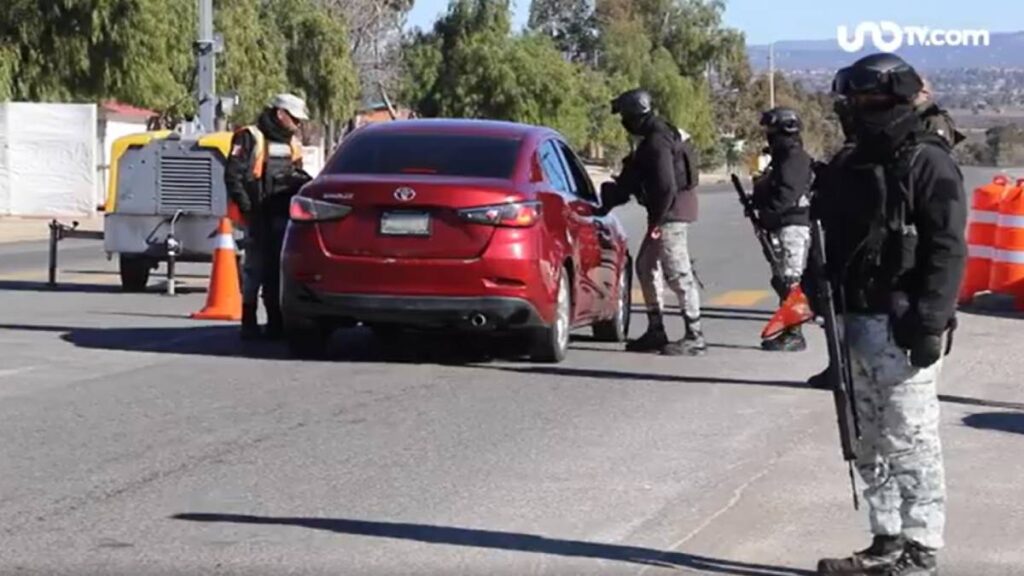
x: 494, y: 128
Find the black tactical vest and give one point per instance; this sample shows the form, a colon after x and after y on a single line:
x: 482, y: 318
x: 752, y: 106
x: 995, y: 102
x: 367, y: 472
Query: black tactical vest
x: 871, y: 238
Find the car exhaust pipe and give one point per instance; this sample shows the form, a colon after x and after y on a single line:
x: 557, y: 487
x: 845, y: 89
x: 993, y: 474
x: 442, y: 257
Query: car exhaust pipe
x: 478, y: 320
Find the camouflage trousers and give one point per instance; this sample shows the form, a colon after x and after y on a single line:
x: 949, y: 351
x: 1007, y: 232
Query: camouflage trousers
x: 900, y: 455
x: 667, y: 261
x: 790, y: 245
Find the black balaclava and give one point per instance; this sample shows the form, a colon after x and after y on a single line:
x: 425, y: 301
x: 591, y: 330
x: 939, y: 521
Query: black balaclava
x: 781, y: 140
x: 272, y: 128
x: 846, y: 120
x: 881, y: 131
x: 638, y: 125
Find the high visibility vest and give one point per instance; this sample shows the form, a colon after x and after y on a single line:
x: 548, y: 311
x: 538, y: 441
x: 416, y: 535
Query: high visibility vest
x: 258, y: 161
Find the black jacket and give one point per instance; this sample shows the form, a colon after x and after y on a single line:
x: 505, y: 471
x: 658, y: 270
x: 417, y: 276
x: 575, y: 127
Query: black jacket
x: 782, y: 195
x: 929, y: 261
x: 270, y: 196
x: 657, y: 175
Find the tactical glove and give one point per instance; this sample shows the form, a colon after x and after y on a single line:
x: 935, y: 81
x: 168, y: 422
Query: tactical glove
x: 926, y: 351
x: 244, y: 204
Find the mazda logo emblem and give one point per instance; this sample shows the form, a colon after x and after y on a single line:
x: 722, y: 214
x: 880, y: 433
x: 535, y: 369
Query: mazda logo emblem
x: 405, y: 194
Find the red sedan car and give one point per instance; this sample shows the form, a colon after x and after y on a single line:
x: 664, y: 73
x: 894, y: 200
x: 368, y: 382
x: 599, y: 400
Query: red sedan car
x: 454, y: 226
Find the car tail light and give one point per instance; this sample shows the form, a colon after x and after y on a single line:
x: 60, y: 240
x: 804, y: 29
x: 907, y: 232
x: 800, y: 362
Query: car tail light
x: 516, y: 214
x: 305, y: 209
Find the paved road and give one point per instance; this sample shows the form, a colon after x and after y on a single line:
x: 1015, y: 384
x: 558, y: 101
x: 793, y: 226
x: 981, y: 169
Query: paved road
x: 136, y: 441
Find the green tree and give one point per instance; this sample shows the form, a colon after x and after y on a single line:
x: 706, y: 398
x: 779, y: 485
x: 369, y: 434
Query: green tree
x: 133, y: 50
x: 471, y: 66
x: 253, y: 61
x: 570, y: 23
x: 317, y: 54
x: 682, y: 101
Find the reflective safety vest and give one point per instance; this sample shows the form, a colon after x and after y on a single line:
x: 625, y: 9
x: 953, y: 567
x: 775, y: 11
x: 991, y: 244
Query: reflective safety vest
x: 261, y: 151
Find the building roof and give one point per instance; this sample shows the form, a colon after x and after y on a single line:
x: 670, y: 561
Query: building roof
x: 122, y: 109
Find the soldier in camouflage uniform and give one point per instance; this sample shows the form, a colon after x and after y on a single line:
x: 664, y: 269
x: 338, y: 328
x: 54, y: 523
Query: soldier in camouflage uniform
x: 935, y: 118
x: 782, y: 199
x: 894, y: 213
x: 662, y: 174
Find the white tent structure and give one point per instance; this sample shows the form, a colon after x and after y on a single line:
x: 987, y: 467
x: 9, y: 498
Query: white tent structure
x: 47, y: 159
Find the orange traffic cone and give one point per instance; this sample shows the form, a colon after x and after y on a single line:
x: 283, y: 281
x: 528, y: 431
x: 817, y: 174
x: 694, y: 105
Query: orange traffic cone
x: 224, y: 298
x: 795, y: 310
x: 1008, y: 260
x: 981, y: 237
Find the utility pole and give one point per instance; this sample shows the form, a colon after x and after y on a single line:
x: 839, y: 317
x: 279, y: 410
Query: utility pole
x: 771, y: 74
x: 206, y: 48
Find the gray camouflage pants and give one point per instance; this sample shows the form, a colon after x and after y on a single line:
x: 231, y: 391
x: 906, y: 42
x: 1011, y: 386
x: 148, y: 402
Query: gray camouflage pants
x: 900, y: 455
x: 667, y: 260
x: 791, y: 245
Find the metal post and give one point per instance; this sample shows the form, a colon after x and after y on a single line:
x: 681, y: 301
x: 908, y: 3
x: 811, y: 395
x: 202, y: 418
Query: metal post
x: 771, y: 75
x: 173, y: 248
x: 54, y: 237
x: 205, y: 48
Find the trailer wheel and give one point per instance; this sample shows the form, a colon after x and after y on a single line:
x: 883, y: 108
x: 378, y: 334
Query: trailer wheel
x: 134, y: 273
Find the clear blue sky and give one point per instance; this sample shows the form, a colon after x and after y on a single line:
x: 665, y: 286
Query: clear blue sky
x: 770, y: 20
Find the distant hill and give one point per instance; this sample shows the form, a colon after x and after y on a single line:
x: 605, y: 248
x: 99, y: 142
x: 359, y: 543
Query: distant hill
x: 1005, y: 50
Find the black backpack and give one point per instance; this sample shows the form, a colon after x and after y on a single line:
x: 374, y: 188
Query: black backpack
x: 687, y: 159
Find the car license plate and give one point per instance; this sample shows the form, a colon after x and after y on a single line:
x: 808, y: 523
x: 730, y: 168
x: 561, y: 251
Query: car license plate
x: 405, y: 224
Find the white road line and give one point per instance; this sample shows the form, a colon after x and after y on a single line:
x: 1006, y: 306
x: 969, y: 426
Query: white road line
x: 14, y: 371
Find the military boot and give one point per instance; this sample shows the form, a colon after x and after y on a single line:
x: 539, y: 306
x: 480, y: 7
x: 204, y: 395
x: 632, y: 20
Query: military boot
x: 792, y: 340
x: 882, y: 555
x: 250, y: 322
x: 915, y: 561
x: 652, y: 340
x: 692, y: 344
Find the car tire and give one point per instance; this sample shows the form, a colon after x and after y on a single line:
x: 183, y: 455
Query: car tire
x: 551, y: 343
x: 617, y: 328
x: 134, y: 271
x: 307, y: 339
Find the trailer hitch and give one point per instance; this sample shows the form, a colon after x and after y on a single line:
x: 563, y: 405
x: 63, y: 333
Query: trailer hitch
x: 59, y: 231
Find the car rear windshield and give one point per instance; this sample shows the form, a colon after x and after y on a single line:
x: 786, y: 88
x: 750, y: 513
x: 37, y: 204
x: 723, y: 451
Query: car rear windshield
x: 433, y: 154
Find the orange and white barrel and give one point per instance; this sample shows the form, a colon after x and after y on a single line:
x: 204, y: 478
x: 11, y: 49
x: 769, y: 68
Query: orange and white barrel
x: 981, y: 236
x: 1007, y: 275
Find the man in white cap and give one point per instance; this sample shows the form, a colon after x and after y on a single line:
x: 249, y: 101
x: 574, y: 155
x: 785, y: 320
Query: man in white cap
x: 263, y: 172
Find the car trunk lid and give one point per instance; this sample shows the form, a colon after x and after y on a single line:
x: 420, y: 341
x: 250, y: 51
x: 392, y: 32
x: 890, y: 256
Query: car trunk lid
x: 407, y: 216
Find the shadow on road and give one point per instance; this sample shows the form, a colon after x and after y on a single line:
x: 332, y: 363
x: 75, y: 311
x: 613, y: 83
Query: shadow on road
x: 967, y: 401
x: 353, y: 345
x: 997, y: 421
x: 738, y: 314
x: 83, y: 288
x: 511, y: 541
x: 608, y: 348
x: 619, y: 375
x: 32, y: 286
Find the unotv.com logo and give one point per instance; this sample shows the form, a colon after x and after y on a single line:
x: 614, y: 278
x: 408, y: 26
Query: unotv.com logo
x: 889, y: 36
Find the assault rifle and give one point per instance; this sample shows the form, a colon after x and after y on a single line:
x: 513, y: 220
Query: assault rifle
x: 839, y: 374
x: 762, y: 236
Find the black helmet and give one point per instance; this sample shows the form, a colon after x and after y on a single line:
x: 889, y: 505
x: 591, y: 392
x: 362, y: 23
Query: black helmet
x: 633, y: 104
x: 781, y: 120
x: 881, y: 74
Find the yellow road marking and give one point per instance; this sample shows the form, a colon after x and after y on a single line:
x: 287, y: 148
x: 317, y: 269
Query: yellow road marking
x: 734, y: 298
x: 745, y: 298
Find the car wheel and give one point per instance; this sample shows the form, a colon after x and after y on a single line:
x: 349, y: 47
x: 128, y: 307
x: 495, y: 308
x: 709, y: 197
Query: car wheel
x: 551, y: 343
x: 134, y: 272
x: 307, y: 339
x: 617, y: 328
